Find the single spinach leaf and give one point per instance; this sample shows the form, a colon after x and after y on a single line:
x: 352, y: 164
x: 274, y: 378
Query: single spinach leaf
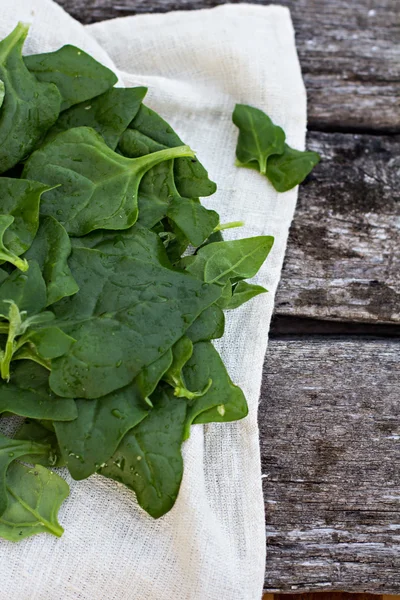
x: 289, y: 169
x: 20, y: 199
x: 150, y: 376
x: 209, y: 325
x: 149, y: 460
x: 194, y: 220
x: 224, y: 401
x: 26, y: 290
x: 94, y: 436
x: 109, y: 114
x: 258, y: 139
x: 6, y: 255
x: 35, y: 431
x: 182, y: 350
x: 190, y: 176
x: 220, y: 262
x: 34, y: 497
x: 10, y: 450
x: 47, y: 342
x: 142, y: 307
x: 51, y: 249
x: 77, y: 75
x: 29, y: 108
x: 104, y: 197
x: 243, y: 292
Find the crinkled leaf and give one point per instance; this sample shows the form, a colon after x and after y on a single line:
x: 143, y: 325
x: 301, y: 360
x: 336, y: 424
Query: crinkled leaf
x: 109, y: 114
x: 224, y: 401
x: 126, y: 315
x: 77, y: 75
x: 34, y: 497
x: 91, y: 198
x: 94, y: 436
x: 289, y: 169
x: 10, y: 450
x: 29, y: 108
x: 51, y: 249
x: 221, y: 262
x: 243, y: 292
x: 258, y: 139
x: 149, y: 460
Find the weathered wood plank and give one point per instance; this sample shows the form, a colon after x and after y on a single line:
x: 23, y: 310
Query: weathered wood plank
x: 349, y: 52
x: 343, y: 258
x: 329, y: 425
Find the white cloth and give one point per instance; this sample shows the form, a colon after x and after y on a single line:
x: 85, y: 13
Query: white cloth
x: 211, y: 546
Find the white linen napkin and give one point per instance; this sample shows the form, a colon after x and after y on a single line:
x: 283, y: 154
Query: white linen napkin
x: 211, y: 546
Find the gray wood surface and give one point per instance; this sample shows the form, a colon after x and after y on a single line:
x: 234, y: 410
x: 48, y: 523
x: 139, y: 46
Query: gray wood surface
x: 349, y: 52
x: 330, y: 440
x: 329, y: 414
x: 343, y: 257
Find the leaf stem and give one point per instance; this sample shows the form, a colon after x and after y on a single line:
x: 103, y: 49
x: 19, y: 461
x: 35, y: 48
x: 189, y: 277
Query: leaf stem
x: 231, y: 225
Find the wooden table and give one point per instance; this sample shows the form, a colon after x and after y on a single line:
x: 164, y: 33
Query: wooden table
x: 330, y: 410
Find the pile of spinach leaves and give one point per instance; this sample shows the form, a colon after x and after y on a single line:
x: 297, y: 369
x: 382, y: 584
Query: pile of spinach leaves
x: 114, y: 279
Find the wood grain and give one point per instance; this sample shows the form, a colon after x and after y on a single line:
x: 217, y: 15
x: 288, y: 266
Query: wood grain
x: 330, y: 441
x: 349, y: 53
x: 343, y: 258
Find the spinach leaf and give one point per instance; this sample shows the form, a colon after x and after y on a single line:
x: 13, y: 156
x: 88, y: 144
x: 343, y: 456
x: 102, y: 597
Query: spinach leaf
x: 51, y: 249
x: 142, y: 307
x: 290, y: 168
x: 20, y: 199
x: 258, y: 139
x: 149, y: 460
x: 29, y: 107
x: 91, y: 198
x: 26, y: 290
x: 109, y: 114
x: 224, y: 401
x: 190, y: 176
x: 193, y: 219
x: 6, y: 254
x: 28, y: 395
x: 182, y: 350
x: 10, y: 450
x: 35, y: 431
x: 77, y: 75
x: 209, y: 325
x: 150, y: 376
x: 94, y: 436
x: 243, y: 292
x: 34, y: 496
x: 220, y: 262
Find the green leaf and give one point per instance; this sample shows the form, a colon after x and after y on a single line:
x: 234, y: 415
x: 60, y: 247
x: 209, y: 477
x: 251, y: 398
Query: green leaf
x: 94, y: 436
x: 193, y: 219
x: 190, y: 176
x: 77, y: 75
x: 220, y: 262
x: 109, y: 114
x: 7, y: 255
x: 28, y: 395
x: 224, y: 401
x: 243, y: 292
x: 48, y: 343
x: 35, y: 431
x: 141, y: 306
x: 181, y: 352
x: 258, y: 139
x: 290, y: 168
x: 104, y: 196
x: 51, y: 249
x: 29, y: 107
x: 150, y: 376
x: 34, y: 498
x: 26, y: 290
x: 10, y: 450
x: 209, y: 325
x: 149, y: 460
